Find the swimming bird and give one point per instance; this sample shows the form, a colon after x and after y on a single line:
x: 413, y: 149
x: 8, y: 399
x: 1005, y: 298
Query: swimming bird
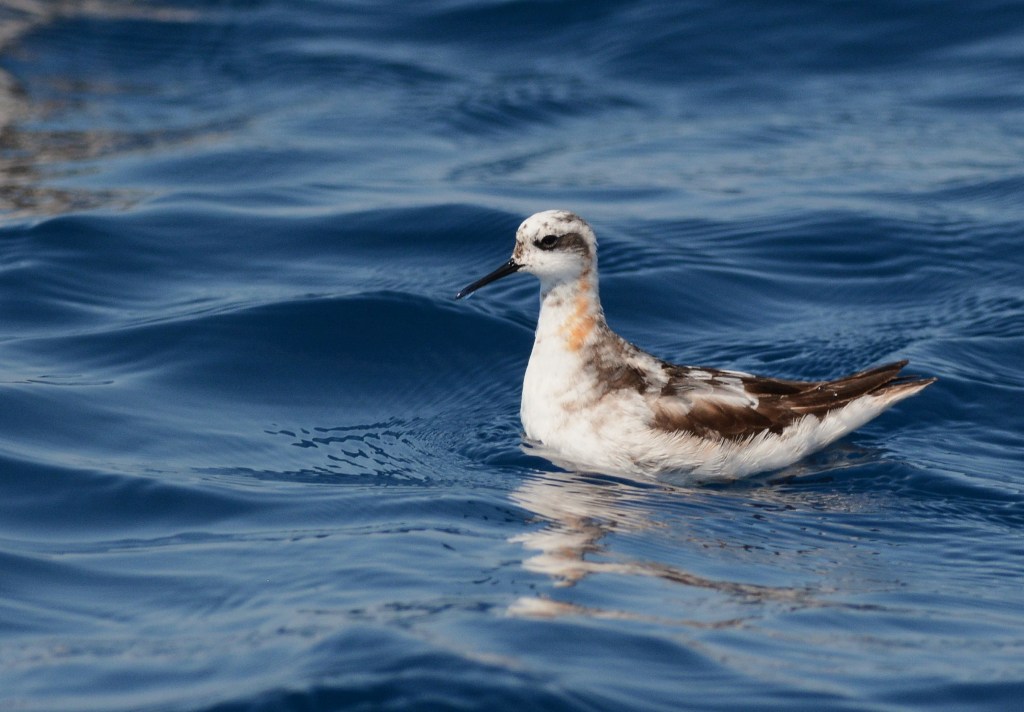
x: 595, y: 401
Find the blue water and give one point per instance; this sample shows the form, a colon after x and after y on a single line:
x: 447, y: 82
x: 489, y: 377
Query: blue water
x: 253, y: 456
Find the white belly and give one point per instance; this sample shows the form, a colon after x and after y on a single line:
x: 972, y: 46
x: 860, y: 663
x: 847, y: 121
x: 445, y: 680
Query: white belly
x: 566, y: 410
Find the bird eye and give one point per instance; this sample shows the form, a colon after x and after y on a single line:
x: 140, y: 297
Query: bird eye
x: 547, y: 242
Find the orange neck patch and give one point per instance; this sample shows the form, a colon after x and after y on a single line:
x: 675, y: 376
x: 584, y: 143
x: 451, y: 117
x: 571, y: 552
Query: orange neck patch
x: 578, y: 326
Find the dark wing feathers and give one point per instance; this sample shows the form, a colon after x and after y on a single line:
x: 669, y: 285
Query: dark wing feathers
x: 714, y: 419
x: 827, y: 395
x: 732, y: 405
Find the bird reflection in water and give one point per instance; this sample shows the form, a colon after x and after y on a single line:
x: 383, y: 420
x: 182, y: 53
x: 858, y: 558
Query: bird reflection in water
x: 580, y: 511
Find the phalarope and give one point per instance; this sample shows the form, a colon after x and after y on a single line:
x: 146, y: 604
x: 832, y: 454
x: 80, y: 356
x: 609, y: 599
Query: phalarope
x: 596, y: 401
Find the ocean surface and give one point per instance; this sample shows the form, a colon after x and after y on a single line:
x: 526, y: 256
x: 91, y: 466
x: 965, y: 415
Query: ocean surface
x: 253, y: 455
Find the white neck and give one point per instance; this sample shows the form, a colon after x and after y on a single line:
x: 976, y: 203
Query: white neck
x: 570, y: 312
x: 570, y: 320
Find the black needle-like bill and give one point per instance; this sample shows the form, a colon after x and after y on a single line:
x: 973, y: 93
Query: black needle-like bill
x: 506, y: 269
